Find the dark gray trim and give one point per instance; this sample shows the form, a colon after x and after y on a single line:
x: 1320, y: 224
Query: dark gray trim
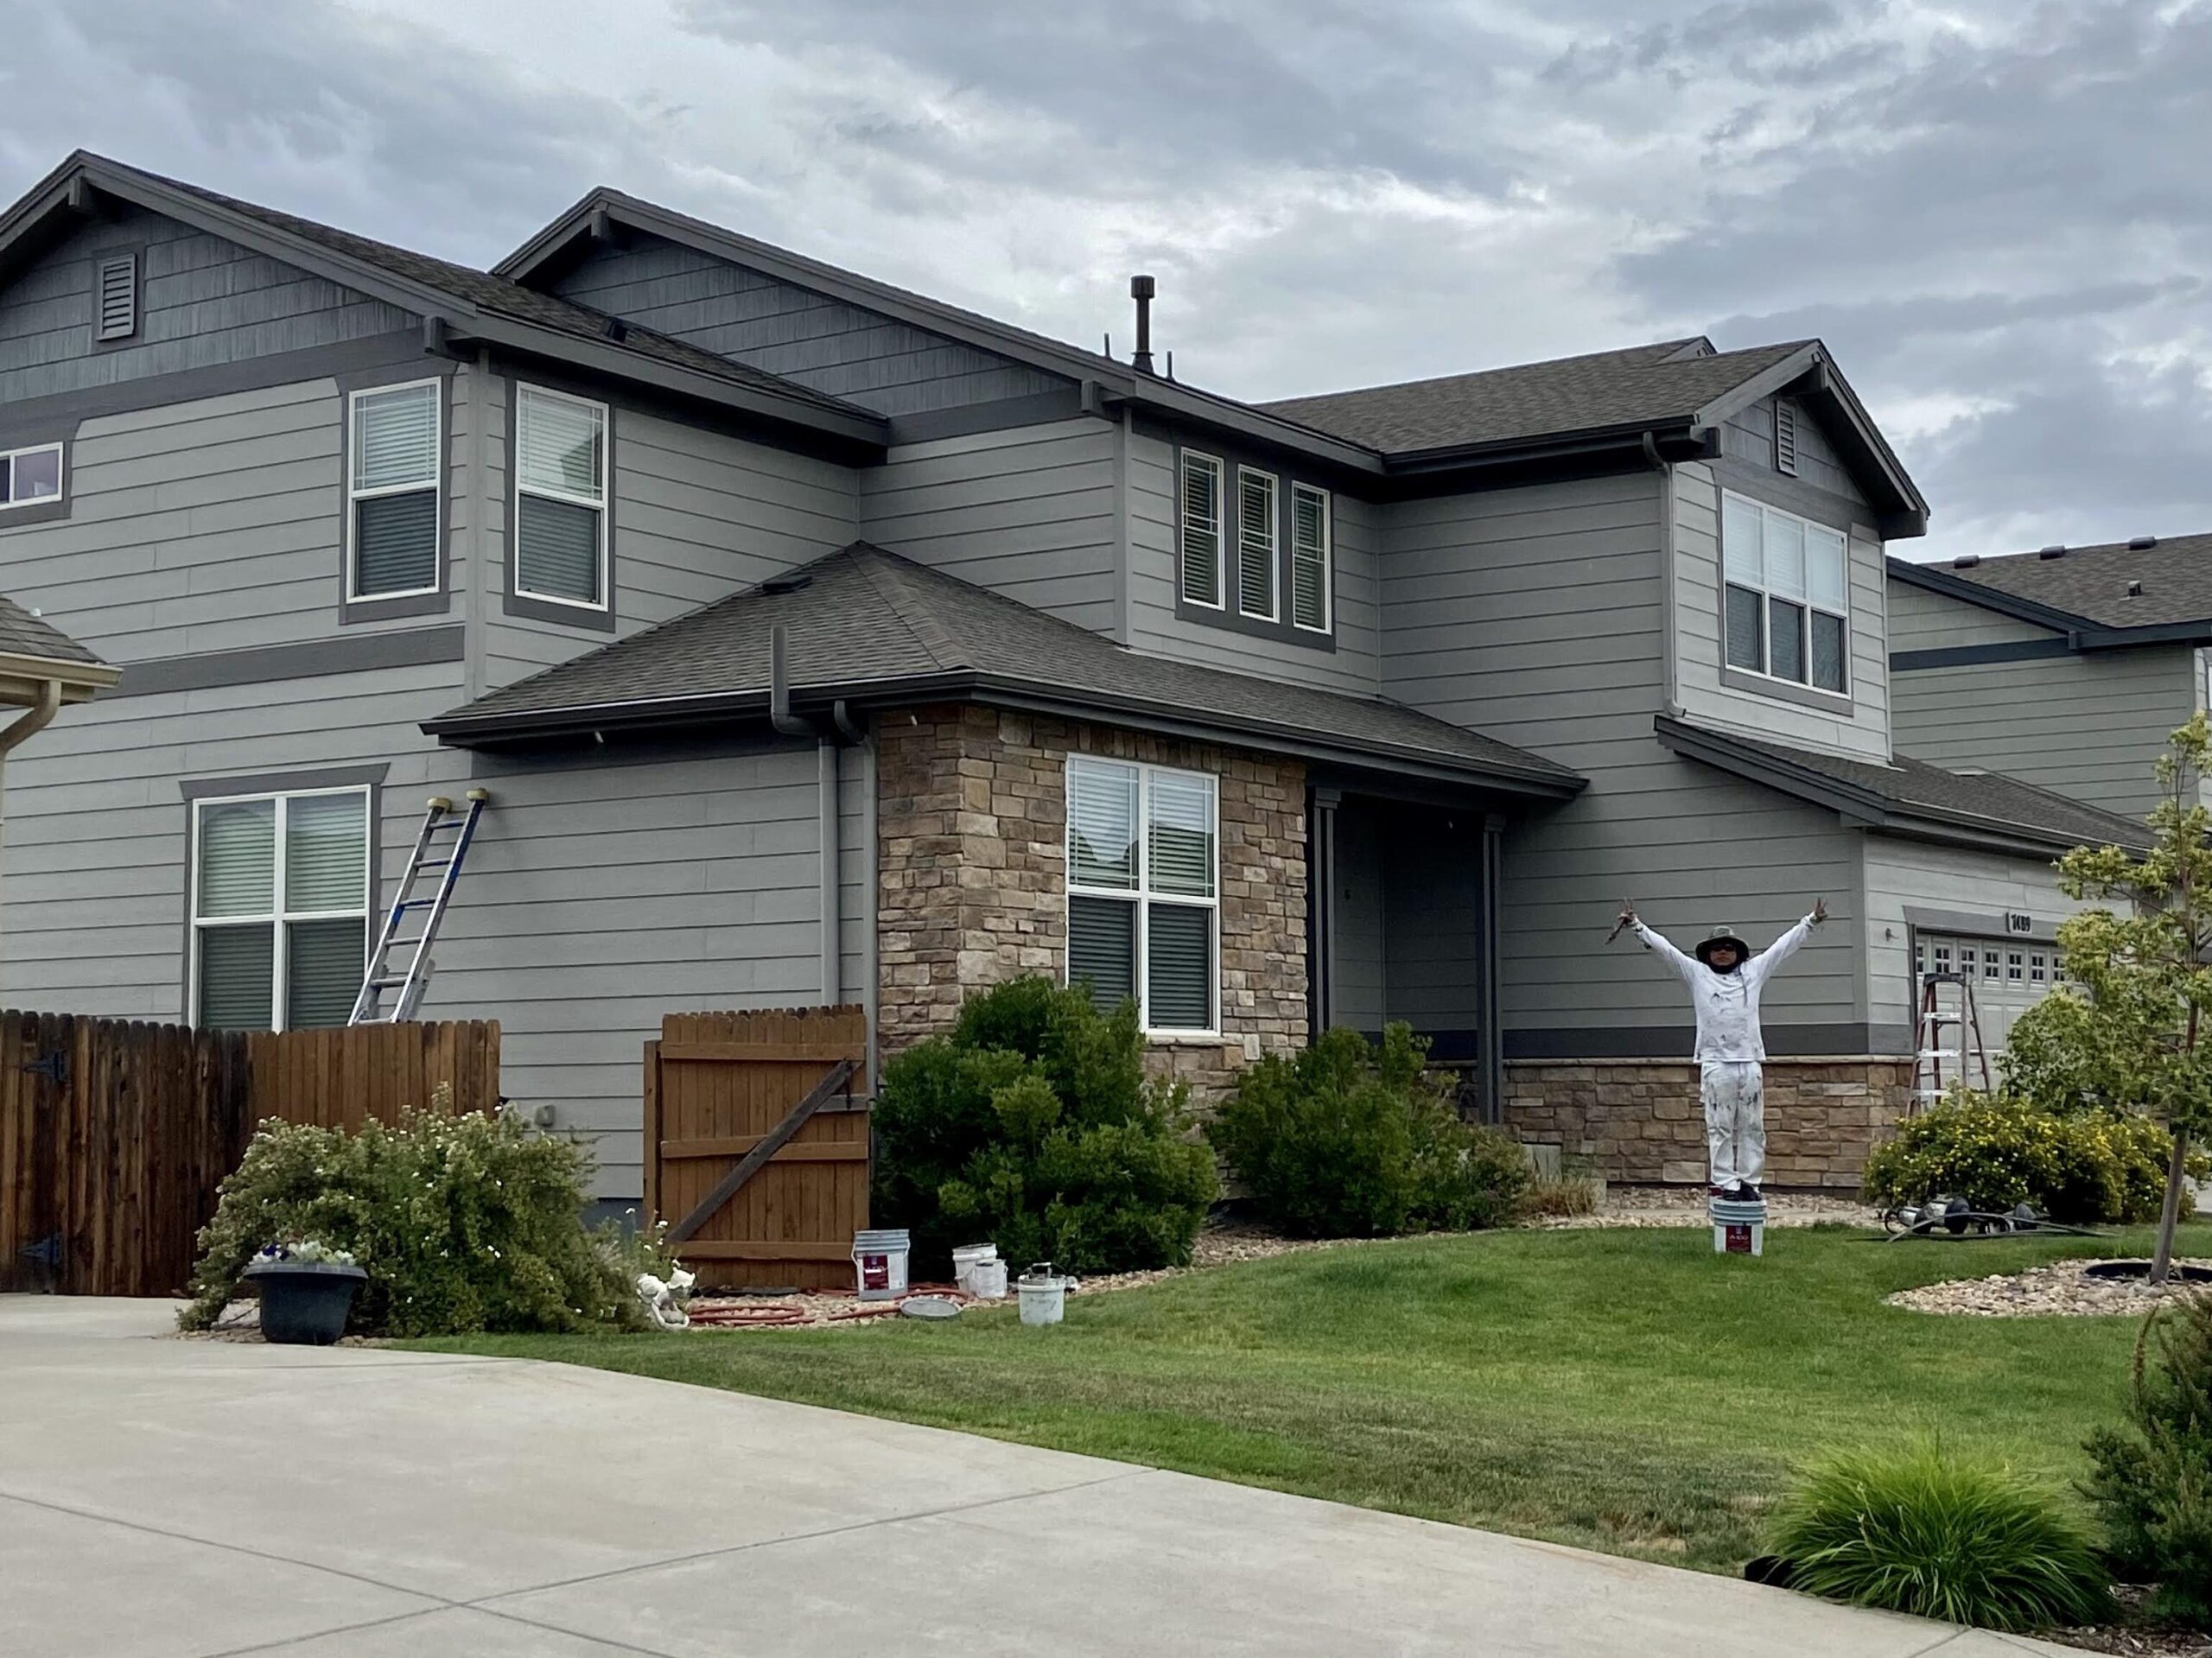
x: 1231, y: 617
x: 1785, y: 690
x: 53, y: 512
x: 352, y: 610
x: 349, y: 653
x: 1968, y: 655
x: 277, y: 783
x: 1036, y: 409
x: 189, y: 385
x: 1321, y: 909
x: 1570, y: 1042
x: 1489, y: 1044
x: 512, y: 603
x: 1812, y: 376
x: 1978, y: 924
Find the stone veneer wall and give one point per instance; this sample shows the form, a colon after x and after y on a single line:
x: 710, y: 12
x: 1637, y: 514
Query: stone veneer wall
x: 971, y: 840
x: 1640, y: 1120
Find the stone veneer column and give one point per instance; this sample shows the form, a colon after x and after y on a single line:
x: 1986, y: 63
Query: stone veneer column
x: 972, y: 874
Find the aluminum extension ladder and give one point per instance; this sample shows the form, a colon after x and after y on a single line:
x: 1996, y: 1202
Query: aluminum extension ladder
x: 440, y: 820
x: 1930, y: 1048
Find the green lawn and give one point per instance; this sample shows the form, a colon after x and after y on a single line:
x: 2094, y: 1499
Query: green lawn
x: 1626, y: 1390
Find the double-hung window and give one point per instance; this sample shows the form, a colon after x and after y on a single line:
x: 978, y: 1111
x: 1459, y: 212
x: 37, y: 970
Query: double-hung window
x: 1143, y: 893
x: 280, y: 900
x: 1309, y: 558
x: 560, y: 498
x: 1199, y: 529
x: 28, y: 476
x: 1787, y: 595
x: 392, y: 490
x: 1255, y: 543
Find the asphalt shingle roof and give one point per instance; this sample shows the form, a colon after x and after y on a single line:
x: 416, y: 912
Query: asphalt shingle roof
x: 1666, y: 380
x: 507, y: 297
x: 864, y: 619
x: 1912, y: 787
x: 2091, y: 582
x: 23, y: 634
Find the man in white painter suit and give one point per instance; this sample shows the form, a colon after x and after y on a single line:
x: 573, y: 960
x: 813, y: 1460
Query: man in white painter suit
x: 1725, y: 981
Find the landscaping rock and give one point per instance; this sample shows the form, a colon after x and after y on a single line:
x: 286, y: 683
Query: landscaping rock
x: 2061, y: 1290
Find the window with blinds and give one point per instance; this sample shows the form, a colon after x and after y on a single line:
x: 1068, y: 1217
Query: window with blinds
x: 1786, y: 599
x: 1309, y: 583
x: 560, y: 498
x: 1143, y: 890
x: 1198, y: 532
x: 392, y: 490
x: 280, y: 897
x: 1255, y: 543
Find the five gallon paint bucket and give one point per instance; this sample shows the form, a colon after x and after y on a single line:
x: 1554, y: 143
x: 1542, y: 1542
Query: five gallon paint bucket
x: 880, y: 1259
x: 1044, y: 1294
x: 977, y: 1270
x: 1739, y: 1229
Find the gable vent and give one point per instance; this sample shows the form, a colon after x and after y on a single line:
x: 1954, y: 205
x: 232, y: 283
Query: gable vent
x: 2056, y: 549
x: 116, y: 298
x: 1965, y: 561
x: 1785, y: 436
x: 2138, y: 543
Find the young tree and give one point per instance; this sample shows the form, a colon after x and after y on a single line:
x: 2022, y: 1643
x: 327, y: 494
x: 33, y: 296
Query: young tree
x: 2142, y: 969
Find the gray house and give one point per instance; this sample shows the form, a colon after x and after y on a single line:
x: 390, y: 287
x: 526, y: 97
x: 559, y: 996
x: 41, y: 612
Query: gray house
x: 1353, y: 708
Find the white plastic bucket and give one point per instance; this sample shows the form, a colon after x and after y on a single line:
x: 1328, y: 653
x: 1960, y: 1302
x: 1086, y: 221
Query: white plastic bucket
x: 879, y: 1260
x: 1738, y: 1228
x: 966, y: 1258
x: 987, y: 1282
x: 1043, y: 1297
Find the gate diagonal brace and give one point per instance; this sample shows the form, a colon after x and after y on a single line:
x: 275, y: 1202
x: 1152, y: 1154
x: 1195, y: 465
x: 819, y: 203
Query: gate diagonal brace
x: 838, y: 1080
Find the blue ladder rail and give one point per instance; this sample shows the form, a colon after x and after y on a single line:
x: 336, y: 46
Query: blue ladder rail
x: 439, y: 817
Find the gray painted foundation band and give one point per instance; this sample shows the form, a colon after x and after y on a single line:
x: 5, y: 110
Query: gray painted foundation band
x: 351, y: 653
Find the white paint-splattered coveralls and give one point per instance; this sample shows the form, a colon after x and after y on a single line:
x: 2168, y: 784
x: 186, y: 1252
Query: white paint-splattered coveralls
x: 1730, y: 1050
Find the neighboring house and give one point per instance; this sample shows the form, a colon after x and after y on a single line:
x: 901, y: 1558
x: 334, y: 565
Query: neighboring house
x: 43, y: 670
x: 1332, y: 711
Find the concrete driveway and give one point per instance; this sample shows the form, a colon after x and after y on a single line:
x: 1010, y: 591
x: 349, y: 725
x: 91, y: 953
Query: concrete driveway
x: 160, y: 1496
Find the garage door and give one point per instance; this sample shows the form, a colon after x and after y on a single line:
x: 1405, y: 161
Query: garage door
x: 2009, y: 975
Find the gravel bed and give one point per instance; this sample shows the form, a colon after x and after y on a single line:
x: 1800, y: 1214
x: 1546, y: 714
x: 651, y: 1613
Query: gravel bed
x: 2060, y: 1290
x: 1684, y: 1206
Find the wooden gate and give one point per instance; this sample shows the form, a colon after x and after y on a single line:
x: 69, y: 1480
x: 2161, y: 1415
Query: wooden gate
x: 757, y: 1143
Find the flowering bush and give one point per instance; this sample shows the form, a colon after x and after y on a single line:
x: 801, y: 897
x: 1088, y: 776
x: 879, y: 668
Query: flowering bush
x: 308, y: 1252
x: 462, y: 1224
x: 2085, y: 1166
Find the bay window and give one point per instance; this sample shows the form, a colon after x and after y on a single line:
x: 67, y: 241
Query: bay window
x: 1786, y: 595
x: 1143, y: 890
x: 560, y: 498
x: 280, y: 897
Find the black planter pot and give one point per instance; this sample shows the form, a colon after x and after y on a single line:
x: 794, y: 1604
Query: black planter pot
x: 304, y: 1302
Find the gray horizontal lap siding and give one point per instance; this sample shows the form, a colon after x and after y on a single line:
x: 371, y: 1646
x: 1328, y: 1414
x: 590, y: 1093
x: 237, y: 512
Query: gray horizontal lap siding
x: 2090, y: 726
x: 1748, y: 434
x: 203, y: 301
x: 1154, y: 624
x: 1534, y: 615
x: 819, y: 342
x: 1029, y: 512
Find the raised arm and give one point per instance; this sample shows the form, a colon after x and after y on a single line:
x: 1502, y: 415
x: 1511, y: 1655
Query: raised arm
x: 1660, y: 946
x: 1762, y: 964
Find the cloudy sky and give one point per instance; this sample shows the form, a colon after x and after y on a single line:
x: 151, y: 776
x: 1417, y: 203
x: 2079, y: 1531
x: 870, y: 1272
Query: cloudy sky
x: 1996, y: 212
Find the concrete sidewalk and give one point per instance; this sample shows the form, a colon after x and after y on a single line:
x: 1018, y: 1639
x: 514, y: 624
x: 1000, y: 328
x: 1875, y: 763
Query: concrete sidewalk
x: 170, y: 1498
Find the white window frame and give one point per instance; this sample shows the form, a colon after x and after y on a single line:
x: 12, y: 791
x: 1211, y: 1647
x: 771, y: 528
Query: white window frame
x: 1222, y: 549
x: 1142, y: 895
x: 568, y: 498
x: 436, y: 488
x: 1328, y: 557
x: 1768, y: 595
x: 278, y: 918
x: 59, y: 451
x: 1273, y: 611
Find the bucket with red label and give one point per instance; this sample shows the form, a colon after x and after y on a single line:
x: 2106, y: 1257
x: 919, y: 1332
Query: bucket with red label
x: 880, y: 1260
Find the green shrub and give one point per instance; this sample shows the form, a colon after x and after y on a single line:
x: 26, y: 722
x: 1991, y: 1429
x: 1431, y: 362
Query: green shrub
x: 1033, y: 1125
x: 1349, y: 1139
x: 1917, y: 1531
x: 463, y: 1223
x: 1995, y: 1151
x: 2153, y: 1487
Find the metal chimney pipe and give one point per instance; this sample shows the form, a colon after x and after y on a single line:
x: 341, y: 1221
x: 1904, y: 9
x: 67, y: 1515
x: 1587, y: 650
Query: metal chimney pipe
x: 1141, y: 289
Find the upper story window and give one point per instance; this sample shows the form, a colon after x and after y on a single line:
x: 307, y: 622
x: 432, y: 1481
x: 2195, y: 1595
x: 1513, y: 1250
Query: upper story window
x: 1255, y: 543
x: 560, y: 498
x: 280, y: 893
x: 1787, y: 595
x: 1247, y: 540
x: 1199, y: 529
x: 392, y: 490
x: 1143, y: 893
x: 28, y: 476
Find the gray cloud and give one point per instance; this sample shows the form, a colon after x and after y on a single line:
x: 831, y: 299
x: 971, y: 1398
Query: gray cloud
x: 1997, y: 214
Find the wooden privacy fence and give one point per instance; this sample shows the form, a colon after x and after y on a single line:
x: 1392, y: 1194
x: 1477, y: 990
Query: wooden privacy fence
x: 114, y: 1136
x: 757, y: 1143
